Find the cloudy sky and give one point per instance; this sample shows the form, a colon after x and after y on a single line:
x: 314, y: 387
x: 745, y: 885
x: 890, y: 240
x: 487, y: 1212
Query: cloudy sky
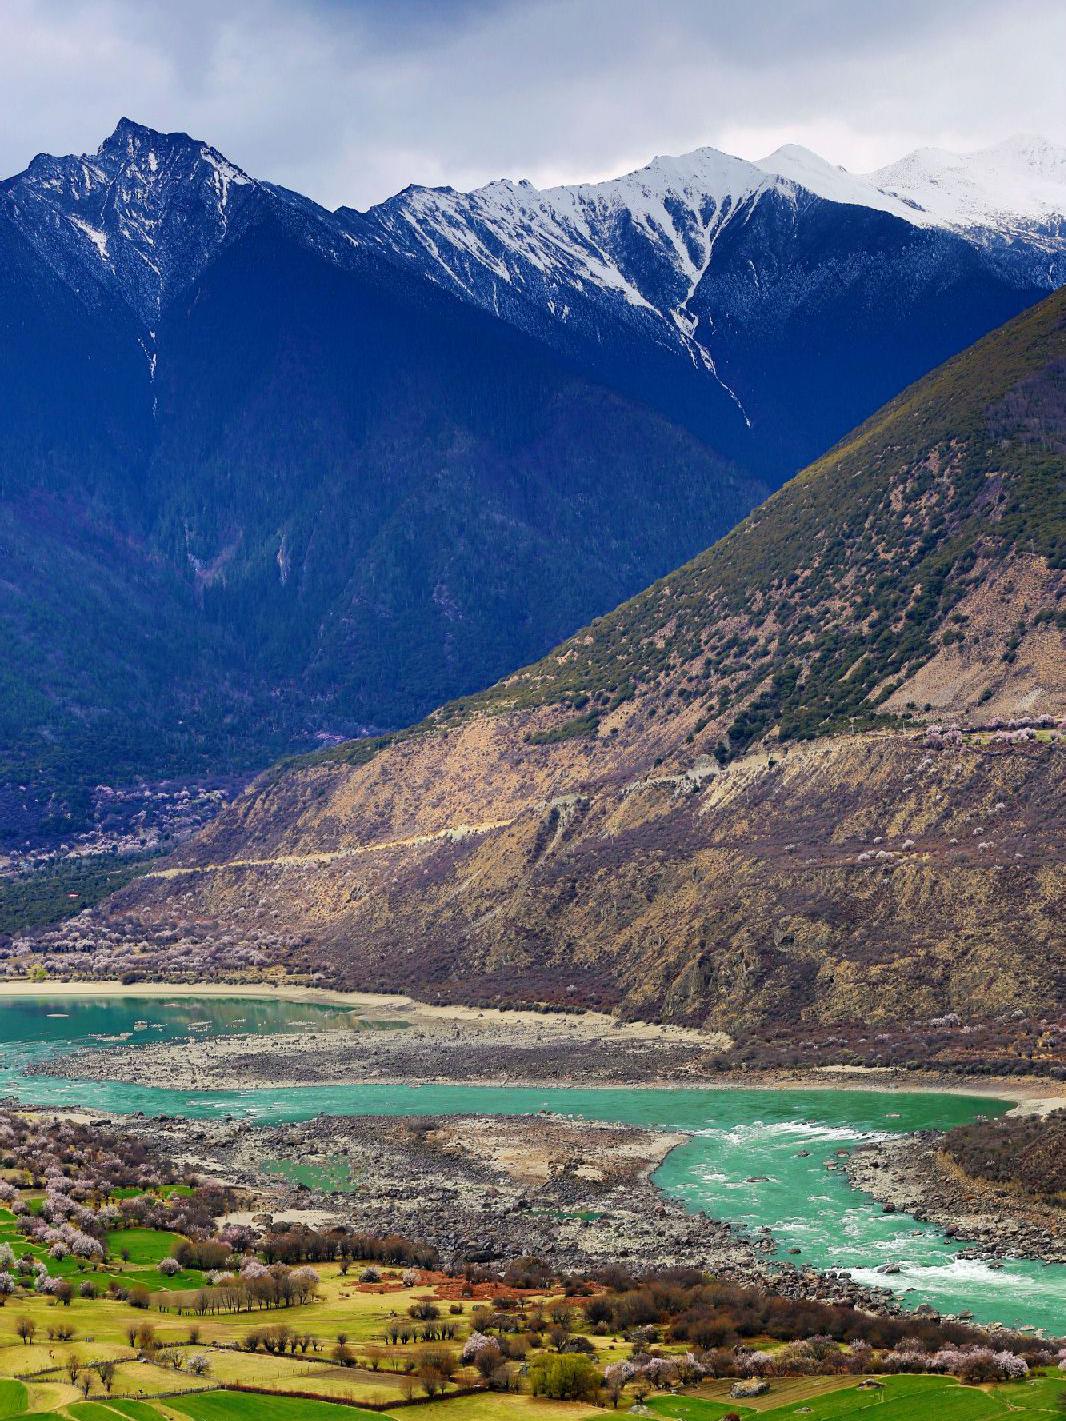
x: 349, y: 100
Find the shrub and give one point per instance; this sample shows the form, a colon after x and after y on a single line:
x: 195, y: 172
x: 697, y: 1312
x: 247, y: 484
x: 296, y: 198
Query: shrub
x: 567, y: 1376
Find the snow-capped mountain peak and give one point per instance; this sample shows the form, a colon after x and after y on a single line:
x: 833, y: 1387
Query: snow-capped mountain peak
x: 145, y: 212
x: 640, y: 242
x: 572, y: 232
x: 653, y: 252
x: 706, y: 171
x: 647, y: 247
x: 814, y: 174
x: 1017, y: 187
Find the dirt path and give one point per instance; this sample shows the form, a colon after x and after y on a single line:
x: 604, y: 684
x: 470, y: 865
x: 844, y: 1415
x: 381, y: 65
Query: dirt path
x: 455, y: 833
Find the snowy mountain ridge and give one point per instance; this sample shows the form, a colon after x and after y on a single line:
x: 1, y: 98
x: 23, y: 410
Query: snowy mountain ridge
x: 640, y: 248
x: 698, y: 284
x: 674, y: 205
x: 148, y: 211
x: 1014, y: 188
x: 800, y: 166
x: 644, y: 240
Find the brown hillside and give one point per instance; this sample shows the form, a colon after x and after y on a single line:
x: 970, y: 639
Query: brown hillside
x: 723, y: 803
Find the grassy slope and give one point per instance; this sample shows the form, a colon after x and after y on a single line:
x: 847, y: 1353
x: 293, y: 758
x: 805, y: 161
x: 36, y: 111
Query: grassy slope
x: 900, y: 1398
x: 224, y: 1405
x: 849, y: 572
x: 838, y: 582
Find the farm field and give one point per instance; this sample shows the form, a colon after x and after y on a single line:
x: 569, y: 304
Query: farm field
x: 126, y: 1294
x: 898, y: 1398
x: 102, y: 1358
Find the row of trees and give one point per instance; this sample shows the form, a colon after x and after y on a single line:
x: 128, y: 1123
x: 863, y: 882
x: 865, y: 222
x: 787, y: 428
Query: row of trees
x: 257, y: 1286
x: 307, y: 1245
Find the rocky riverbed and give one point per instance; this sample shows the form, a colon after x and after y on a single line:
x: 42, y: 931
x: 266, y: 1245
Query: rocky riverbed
x: 577, y: 1195
x: 490, y: 1189
x: 492, y: 1048
x: 401, y: 1042
x: 911, y: 1174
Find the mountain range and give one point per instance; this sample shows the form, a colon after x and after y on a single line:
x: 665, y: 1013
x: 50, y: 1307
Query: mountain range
x: 271, y: 473
x: 806, y: 787
x: 769, y: 306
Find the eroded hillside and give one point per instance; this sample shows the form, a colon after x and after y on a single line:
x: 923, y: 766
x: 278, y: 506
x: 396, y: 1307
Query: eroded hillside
x: 779, y: 788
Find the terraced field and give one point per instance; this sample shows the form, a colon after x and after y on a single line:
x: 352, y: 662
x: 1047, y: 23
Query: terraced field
x: 898, y: 1398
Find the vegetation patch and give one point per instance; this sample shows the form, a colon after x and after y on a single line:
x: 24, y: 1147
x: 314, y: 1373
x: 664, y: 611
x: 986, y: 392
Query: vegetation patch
x: 51, y: 894
x: 13, y: 1398
x: 236, y: 1405
x: 1027, y: 1152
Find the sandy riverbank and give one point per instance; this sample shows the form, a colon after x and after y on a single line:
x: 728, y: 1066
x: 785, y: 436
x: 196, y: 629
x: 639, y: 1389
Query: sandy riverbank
x: 371, y: 1004
x: 167, y: 990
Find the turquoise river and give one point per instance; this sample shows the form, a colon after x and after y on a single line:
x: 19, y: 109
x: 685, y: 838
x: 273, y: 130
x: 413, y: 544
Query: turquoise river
x: 756, y: 1157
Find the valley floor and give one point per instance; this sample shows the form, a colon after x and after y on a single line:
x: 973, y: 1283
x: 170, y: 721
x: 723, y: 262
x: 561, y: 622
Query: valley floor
x: 475, y: 1046
x: 481, y: 1189
x: 575, y: 1193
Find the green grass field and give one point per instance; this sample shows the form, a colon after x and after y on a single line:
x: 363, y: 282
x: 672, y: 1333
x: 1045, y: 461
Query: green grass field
x: 13, y: 1398
x: 145, y: 1249
x: 94, y: 1411
x: 63, y: 1268
x: 145, y: 1246
x: 165, y: 1191
x: 135, y: 1410
x: 903, y: 1398
x: 243, y: 1406
x: 505, y: 1406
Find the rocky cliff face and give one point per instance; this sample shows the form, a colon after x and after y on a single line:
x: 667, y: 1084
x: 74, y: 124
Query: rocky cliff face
x: 856, y: 878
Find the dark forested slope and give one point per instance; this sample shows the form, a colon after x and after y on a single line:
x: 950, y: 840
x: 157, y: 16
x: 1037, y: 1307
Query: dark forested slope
x: 334, y: 498
x: 270, y: 475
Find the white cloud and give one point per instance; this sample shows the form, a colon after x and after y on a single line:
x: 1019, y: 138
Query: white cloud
x: 349, y: 100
